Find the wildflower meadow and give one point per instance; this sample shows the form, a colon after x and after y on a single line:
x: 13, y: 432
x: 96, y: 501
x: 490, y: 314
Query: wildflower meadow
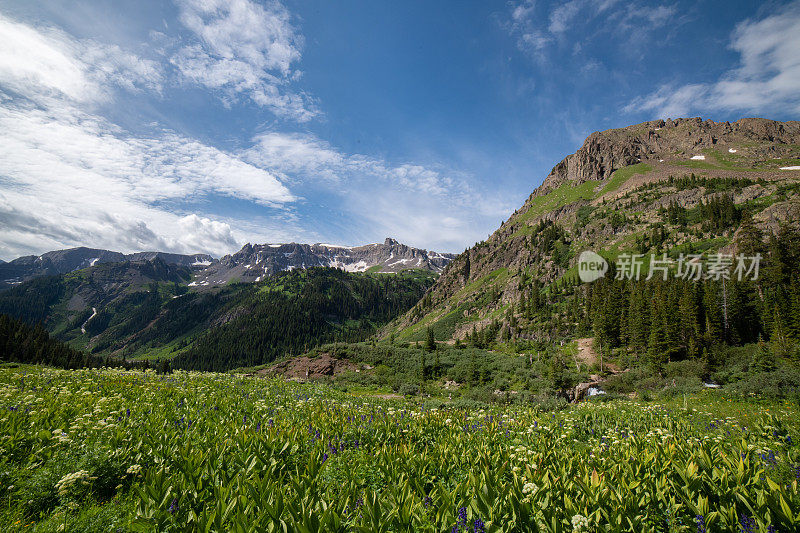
x: 115, y: 450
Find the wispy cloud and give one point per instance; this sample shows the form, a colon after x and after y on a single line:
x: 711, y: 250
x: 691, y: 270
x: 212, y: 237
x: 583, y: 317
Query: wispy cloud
x: 561, y: 17
x: 311, y: 158
x: 767, y: 78
x: 68, y: 176
x: 245, y: 49
x: 39, y: 63
x: 82, y: 175
x: 536, y: 27
x: 426, y: 206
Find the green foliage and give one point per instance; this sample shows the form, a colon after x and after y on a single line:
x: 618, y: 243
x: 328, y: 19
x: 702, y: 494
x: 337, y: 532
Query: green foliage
x: 22, y: 343
x: 430, y: 340
x: 297, y: 310
x: 136, y: 451
x: 236, y: 325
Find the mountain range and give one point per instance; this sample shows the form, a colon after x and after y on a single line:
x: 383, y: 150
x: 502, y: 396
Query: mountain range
x: 63, y: 261
x: 250, y: 264
x: 256, y: 262
x: 152, y: 302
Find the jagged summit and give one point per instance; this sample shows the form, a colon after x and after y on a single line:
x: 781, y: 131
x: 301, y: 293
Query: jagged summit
x: 255, y: 262
x: 252, y: 263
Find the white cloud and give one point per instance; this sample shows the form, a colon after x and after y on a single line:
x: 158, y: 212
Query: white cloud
x: 244, y: 48
x: 309, y: 157
x: 767, y: 78
x: 70, y: 177
x: 419, y: 205
x: 291, y: 154
x: 198, y: 231
x: 77, y: 178
x: 47, y: 63
x: 561, y: 16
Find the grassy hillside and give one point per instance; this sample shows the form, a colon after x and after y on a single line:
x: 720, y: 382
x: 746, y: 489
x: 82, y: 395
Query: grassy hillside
x: 658, y: 189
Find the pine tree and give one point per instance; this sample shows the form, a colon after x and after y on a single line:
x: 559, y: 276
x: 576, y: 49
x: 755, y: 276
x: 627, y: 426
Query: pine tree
x: 430, y: 341
x: 688, y: 313
x: 712, y: 310
x: 657, y: 346
x: 749, y: 239
x: 763, y: 358
x: 638, y: 320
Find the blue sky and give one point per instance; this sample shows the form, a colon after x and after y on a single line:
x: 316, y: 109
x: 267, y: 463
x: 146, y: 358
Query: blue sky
x: 199, y: 125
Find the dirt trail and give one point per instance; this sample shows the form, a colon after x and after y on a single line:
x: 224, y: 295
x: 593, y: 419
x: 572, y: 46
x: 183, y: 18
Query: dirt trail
x: 589, y: 357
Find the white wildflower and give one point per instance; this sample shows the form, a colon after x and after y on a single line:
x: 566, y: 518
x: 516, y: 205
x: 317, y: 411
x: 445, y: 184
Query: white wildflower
x: 580, y: 523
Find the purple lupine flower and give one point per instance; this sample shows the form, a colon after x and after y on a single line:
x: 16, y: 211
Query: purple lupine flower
x: 462, y: 517
x: 478, y: 526
x: 701, y: 523
x: 748, y: 524
x: 173, y: 508
x: 324, y: 457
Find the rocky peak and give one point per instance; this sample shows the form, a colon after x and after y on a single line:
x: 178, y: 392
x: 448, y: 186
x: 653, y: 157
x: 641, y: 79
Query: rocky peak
x: 604, y: 152
x: 64, y: 261
x: 255, y: 262
x: 499, y: 272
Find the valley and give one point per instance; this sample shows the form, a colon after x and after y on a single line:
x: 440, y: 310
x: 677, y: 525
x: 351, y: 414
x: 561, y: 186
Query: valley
x: 387, y: 388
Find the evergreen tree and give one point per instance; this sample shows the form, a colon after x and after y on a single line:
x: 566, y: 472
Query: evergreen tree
x: 688, y: 315
x: 430, y: 340
x: 763, y: 358
x: 749, y: 239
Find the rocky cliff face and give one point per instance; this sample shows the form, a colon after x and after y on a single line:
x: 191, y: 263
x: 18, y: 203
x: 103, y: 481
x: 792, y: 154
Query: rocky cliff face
x: 255, y: 262
x: 604, y: 152
x: 611, y: 195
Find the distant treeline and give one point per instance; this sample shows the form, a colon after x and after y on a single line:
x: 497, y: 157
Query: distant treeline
x: 21, y: 343
x: 298, y: 310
